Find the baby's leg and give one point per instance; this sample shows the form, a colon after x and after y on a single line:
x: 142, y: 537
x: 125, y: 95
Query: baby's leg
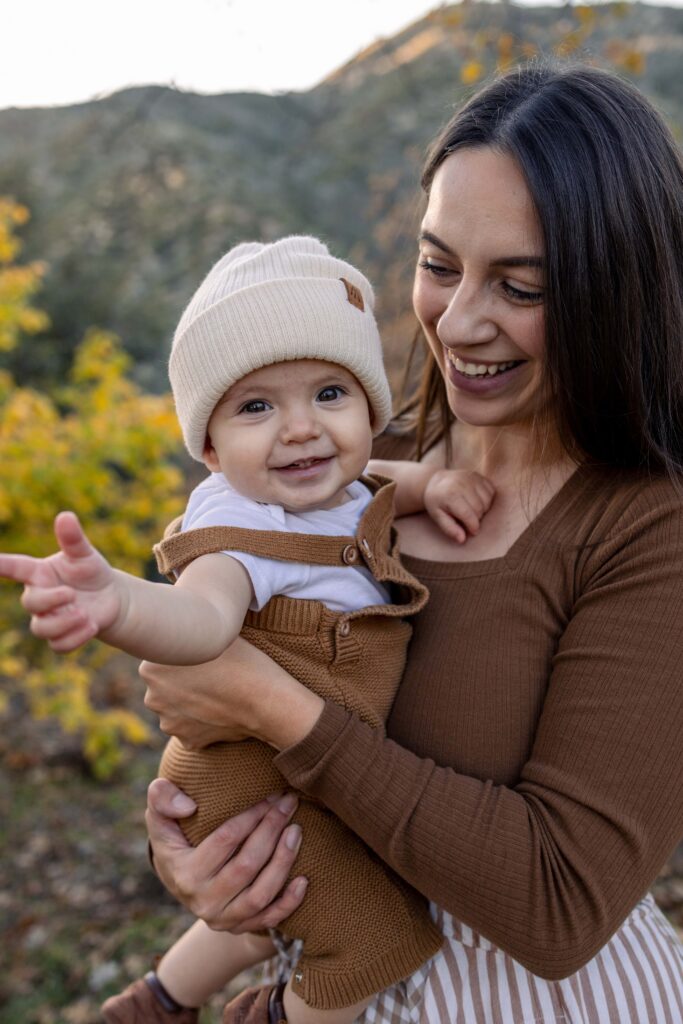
x: 298, y: 1012
x: 203, y: 961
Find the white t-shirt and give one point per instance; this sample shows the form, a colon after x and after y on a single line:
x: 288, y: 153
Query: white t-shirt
x: 343, y: 589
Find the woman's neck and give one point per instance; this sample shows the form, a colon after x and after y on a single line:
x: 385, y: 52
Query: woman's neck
x: 504, y: 454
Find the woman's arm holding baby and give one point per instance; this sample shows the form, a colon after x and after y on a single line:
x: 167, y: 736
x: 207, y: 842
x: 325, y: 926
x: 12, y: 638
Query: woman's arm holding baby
x: 75, y: 595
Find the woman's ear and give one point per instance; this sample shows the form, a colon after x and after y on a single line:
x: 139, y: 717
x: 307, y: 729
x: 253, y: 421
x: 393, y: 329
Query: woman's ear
x: 209, y: 456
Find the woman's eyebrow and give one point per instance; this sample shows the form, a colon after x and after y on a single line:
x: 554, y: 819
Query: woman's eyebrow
x: 427, y: 236
x: 519, y: 261
x: 536, y: 262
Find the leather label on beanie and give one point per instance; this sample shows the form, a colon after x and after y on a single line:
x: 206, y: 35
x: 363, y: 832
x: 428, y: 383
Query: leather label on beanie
x: 353, y: 294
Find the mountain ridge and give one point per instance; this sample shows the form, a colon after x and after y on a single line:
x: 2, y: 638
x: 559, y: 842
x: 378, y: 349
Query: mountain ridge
x: 134, y: 195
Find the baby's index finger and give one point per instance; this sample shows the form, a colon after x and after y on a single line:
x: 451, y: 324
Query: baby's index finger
x: 25, y: 569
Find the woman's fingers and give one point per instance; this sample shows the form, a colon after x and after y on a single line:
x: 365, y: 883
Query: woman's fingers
x: 237, y: 875
x: 268, y: 899
x: 276, y: 912
x: 279, y: 909
x: 254, y: 834
x: 164, y: 801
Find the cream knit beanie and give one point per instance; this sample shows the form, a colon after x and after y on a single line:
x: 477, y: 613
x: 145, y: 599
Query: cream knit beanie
x: 271, y: 303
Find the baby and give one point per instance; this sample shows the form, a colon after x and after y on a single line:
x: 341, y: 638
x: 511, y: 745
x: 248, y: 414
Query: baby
x: 277, y: 375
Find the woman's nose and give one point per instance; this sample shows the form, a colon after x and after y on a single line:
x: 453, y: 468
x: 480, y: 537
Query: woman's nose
x: 467, y: 319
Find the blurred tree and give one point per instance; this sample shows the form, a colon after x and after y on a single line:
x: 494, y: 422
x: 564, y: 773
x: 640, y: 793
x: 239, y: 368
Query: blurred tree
x: 17, y: 284
x: 96, y: 445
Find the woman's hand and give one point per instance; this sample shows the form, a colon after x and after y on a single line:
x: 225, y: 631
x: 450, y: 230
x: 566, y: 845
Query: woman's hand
x: 234, y: 879
x: 240, y: 694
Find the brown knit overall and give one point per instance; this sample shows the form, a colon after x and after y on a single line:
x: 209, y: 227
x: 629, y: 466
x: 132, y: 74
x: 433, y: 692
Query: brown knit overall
x: 363, y: 928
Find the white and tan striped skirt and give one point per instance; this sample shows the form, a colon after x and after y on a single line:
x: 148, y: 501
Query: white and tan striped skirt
x: 637, y: 978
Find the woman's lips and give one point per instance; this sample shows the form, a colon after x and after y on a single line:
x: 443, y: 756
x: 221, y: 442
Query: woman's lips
x: 484, y: 384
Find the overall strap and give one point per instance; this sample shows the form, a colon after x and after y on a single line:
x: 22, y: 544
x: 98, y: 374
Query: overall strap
x: 179, y: 549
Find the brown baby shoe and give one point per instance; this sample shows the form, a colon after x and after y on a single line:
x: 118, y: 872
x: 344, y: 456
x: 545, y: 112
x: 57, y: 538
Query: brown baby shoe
x: 256, y: 1006
x: 146, y: 1001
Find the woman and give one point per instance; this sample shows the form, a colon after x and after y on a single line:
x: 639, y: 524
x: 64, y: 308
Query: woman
x: 532, y: 784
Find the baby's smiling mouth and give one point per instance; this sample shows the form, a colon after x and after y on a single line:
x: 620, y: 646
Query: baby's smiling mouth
x: 305, y: 463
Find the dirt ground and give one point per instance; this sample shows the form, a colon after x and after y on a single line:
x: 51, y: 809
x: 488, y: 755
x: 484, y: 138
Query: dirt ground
x: 81, y: 912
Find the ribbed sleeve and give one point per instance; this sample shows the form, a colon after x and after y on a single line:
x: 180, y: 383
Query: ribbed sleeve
x: 549, y: 688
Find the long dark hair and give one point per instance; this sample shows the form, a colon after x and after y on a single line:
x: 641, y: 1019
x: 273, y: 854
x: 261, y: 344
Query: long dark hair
x: 606, y: 178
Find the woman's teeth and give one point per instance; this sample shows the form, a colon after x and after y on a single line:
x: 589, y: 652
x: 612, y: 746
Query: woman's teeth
x: 480, y: 369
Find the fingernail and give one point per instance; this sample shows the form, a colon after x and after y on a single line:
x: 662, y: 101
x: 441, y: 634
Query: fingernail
x: 273, y: 798
x: 300, y: 886
x: 293, y: 838
x: 287, y: 803
x: 182, y: 802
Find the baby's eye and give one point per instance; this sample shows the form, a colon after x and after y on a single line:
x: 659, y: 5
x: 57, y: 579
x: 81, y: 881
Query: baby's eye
x: 331, y: 393
x: 256, y: 405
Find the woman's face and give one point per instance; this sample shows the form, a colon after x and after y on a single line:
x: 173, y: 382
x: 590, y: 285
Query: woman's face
x: 479, y: 288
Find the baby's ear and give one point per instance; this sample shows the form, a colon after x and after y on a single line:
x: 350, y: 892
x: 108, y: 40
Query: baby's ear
x: 209, y: 456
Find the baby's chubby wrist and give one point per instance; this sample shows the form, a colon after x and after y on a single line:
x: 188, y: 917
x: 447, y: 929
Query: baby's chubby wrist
x: 113, y: 628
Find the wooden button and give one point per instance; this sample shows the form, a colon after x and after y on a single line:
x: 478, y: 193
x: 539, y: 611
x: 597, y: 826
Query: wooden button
x: 350, y: 555
x: 345, y: 629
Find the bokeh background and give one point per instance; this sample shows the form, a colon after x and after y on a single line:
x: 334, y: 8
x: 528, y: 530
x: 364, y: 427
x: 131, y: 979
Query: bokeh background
x: 137, y: 143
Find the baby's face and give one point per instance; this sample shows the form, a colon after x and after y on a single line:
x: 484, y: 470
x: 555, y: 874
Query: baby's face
x: 294, y: 434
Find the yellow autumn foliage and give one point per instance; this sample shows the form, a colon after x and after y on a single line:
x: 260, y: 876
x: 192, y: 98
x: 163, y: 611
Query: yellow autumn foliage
x: 471, y: 72
x: 17, y: 284
x: 583, y: 31
x: 102, y: 447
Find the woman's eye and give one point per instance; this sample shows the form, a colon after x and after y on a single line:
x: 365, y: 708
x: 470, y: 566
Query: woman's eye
x: 435, y: 269
x: 331, y: 393
x: 255, y: 406
x: 520, y: 294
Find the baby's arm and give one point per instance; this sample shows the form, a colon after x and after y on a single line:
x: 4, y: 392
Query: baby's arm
x: 456, y: 499
x: 75, y: 595
x: 203, y: 961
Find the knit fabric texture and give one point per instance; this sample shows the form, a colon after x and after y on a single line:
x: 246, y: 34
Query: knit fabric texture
x: 270, y: 303
x: 362, y: 927
x: 531, y: 781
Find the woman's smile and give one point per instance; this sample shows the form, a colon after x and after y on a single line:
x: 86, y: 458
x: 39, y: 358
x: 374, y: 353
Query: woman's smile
x: 482, y: 378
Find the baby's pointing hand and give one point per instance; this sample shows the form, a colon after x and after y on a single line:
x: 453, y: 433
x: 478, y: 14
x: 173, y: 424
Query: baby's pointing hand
x: 70, y: 595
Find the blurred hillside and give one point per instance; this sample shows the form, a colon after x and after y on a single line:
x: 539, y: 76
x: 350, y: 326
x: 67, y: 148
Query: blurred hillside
x: 134, y: 196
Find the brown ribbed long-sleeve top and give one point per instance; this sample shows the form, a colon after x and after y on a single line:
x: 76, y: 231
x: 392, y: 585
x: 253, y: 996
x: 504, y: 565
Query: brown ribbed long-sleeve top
x: 531, y: 782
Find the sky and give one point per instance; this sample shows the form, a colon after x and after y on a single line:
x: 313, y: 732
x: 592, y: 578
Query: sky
x: 67, y: 51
